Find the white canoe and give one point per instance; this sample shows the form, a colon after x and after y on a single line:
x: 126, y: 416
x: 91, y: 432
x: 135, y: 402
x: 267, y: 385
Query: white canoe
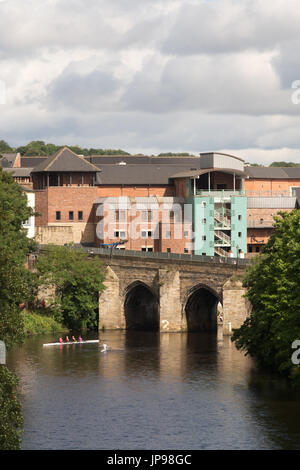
x: 72, y: 342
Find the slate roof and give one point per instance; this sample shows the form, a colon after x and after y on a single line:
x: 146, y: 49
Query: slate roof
x: 8, y: 160
x: 137, y: 174
x: 143, y: 159
x: 32, y: 162
x: 64, y: 160
x: 19, y: 172
x: 258, y: 172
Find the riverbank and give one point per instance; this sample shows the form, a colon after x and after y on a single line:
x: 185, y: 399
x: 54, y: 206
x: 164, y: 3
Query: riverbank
x: 36, y: 324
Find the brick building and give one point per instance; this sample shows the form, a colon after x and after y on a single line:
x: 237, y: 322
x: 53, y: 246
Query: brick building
x: 212, y: 204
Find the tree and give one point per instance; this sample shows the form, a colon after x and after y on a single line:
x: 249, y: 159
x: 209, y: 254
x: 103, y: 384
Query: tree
x: 4, y: 147
x: 273, y: 290
x: 284, y: 164
x: 11, y: 419
x: 15, y: 288
x: 15, y: 279
x: 76, y: 280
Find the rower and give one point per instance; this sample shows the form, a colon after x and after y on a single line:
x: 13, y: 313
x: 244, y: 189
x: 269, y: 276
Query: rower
x: 74, y: 339
x: 67, y: 339
x: 79, y: 339
x: 104, y: 348
x: 60, y: 340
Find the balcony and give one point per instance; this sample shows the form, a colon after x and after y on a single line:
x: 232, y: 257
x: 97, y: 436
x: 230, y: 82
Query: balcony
x: 221, y: 194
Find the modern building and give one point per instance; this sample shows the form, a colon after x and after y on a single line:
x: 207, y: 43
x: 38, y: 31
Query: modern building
x: 210, y: 204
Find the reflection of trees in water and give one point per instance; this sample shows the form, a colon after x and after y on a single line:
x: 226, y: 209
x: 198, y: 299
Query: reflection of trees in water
x: 277, y: 405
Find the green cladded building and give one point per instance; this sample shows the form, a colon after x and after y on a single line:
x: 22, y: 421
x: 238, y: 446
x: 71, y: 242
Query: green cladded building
x: 217, y: 195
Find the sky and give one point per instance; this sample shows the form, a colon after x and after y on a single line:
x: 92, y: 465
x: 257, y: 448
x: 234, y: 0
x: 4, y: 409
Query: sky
x: 151, y: 76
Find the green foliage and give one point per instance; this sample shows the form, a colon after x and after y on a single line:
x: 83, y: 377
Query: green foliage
x: 36, y: 323
x: 40, y: 148
x: 11, y: 419
x: 15, y: 280
x: 77, y: 281
x: 4, y: 147
x: 16, y: 287
x: 273, y: 290
x: 284, y: 164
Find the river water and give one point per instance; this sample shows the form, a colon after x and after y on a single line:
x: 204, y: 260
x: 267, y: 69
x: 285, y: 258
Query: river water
x: 152, y: 391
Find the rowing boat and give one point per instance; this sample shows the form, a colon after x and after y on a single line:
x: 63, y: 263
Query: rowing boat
x: 72, y: 342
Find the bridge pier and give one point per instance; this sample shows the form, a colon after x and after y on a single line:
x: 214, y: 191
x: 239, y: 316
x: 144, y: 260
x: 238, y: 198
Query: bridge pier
x: 171, y: 296
x: 171, y: 318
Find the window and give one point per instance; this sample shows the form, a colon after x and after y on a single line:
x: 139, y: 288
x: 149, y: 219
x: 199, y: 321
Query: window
x: 257, y: 249
x: 186, y: 250
x: 221, y: 186
x: 171, y: 215
x: 186, y: 234
x: 120, y: 216
x: 147, y: 248
x: 240, y: 217
x: 250, y: 249
x: 146, y: 234
x: 204, y: 238
x: 116, y: 234
x: 168, y: 234
x: 146, y: 216
x: 168, y: 250
x: 123, y: 234
x: 58, y: 215
x: 80, y: 215
x: 293, y: 190
x: 71, y: 215
x: 204, y: 221
x: 203, y: 204
x: 240, y: 234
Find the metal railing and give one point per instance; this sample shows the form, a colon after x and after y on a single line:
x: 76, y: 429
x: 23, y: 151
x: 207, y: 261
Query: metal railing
x: 222, y: 236
x: 221, y: 220
x: 222, y: 193
x: 166, y: 256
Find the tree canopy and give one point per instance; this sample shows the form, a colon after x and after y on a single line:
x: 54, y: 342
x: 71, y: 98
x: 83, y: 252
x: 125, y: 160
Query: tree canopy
x: 15, y: 279
x: 273, y: 290
x: 76, y: 280
x: 285, y: 164
x: 15, y: 288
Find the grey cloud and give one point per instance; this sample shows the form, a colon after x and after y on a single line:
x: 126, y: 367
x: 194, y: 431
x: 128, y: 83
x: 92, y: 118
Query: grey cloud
x: 227, y: 26
x: 84, y: 92
x: 228, y: 84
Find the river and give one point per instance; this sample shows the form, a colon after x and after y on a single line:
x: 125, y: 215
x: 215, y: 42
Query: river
x: 152, y: 391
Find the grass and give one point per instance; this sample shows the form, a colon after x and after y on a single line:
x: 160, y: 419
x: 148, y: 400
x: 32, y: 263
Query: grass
x: 37, y: 324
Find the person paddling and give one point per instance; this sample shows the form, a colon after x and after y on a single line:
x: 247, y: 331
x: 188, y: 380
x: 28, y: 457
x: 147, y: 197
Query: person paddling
x: 79, y: 339
x: 104, y: 348
x: 74, y: 339
x: 67, y: 339
x: 60, y: 340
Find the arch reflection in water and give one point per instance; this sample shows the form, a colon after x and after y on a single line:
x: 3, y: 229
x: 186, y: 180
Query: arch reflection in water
x: 141, y: 308
x: 201, y: 309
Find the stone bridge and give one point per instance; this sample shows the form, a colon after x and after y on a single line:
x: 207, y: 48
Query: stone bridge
x: 168, y: 292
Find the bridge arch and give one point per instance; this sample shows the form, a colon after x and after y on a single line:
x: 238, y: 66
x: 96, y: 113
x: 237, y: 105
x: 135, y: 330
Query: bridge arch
x: 200, y: 308
x: 141, y: 307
